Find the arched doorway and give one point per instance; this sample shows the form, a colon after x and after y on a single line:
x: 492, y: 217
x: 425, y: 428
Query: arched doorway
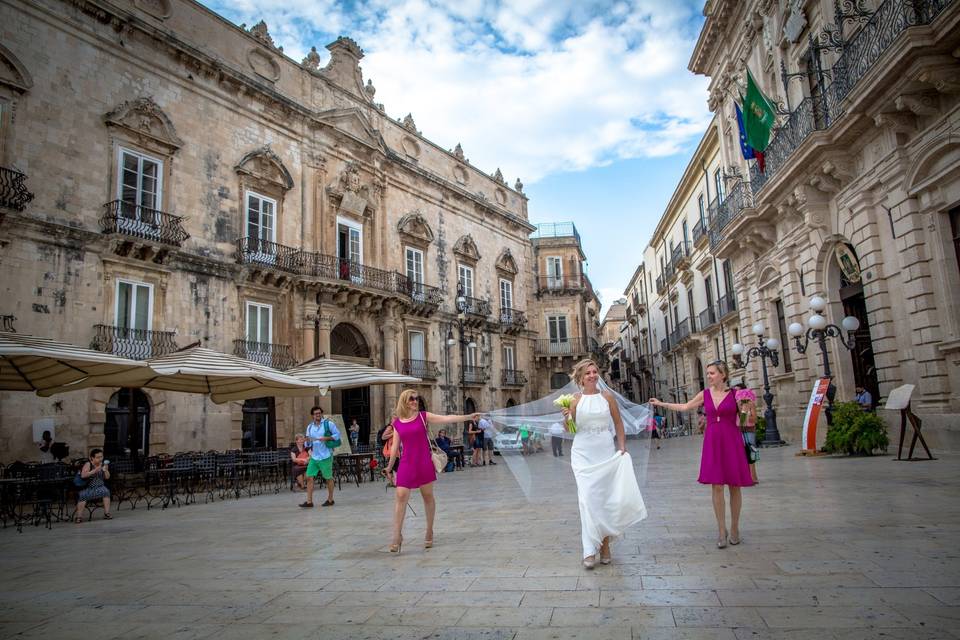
x: 259, y: 424
x: 844, y: 277
x: 511, y: 403
x: 126, y: 431
x: 347, y: 342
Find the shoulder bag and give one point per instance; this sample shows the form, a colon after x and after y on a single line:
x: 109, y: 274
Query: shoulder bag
x: 437, y: 456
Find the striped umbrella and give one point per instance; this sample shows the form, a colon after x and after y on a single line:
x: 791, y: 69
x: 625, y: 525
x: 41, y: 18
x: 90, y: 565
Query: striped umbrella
x: 327, y: 374
x: 31, y: 363
x: 199, y: 370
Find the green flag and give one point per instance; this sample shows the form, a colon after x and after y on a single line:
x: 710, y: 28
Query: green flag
x: 758, y: 115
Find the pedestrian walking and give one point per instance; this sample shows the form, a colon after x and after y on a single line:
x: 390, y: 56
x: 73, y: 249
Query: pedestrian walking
x: 322, y: 437
x: 489, y: 433
x: 413, y: 433
x: 722, y: 461
x: 556, y: 439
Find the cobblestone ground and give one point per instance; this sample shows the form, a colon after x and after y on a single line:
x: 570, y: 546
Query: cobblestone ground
x: 832, y: 548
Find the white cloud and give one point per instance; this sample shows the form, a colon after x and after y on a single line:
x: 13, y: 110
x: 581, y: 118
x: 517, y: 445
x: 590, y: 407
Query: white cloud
x: 531, y: 86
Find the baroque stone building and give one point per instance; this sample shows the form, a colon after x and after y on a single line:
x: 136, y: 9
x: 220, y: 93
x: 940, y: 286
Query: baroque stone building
x: 860, y: 199
x: 192, y: 183
x: 566, y: 308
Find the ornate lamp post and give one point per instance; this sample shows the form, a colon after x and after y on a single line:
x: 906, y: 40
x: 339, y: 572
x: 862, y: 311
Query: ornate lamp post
x: 818, y: 330
x: 466, y: 341
x: 765, y: 349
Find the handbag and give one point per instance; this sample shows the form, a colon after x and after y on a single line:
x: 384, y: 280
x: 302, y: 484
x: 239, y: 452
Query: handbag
x: 753, y: 454
x: 437, y: 456
x: 331, y: 444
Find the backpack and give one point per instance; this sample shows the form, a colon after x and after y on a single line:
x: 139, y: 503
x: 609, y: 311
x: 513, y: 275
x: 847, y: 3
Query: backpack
x: 327, y: 433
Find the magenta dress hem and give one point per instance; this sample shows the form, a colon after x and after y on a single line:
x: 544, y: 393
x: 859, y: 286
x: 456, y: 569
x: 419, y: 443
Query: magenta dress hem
x: 417, y: 468
x: 723, y: 459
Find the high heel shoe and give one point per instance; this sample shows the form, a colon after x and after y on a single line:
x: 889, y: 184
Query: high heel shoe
x: 395, y: 548
x: 722, y: 542
x: 428, y: 544
x: 589, y: 562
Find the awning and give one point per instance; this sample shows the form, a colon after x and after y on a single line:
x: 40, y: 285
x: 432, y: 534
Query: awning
x: 328, y: 373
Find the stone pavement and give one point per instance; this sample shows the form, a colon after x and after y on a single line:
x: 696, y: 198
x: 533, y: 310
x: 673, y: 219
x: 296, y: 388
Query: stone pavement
x: 832, y: 548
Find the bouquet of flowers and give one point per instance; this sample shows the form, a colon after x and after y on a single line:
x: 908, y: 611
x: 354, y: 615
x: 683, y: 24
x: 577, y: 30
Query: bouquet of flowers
x: 743, y: 397
x: 565, y: 401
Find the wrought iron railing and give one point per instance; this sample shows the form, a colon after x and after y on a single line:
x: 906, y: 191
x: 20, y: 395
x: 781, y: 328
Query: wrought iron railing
x: 722, y: 213
x: 135, y: 344
x: 474, y: 375
x: 513, y: 378
x: 706, y: 319
x: 252, y: 250
x: 661, y: 285
x: 556, y: 230
x: 726, y: 305
x: 321, y: 265
x: 423, y: 369
x: 665, y: 345
x: 680, y: 253
x: 557, y: 347
x: 129, y: 219
x: 858, y: 55
x: 419, y: 292
x: 476, y: 306
x: 680, y: 333
x: 699, y: 231
x: 561, y: 282
x: 13, y: 189
x: 6, y: 323
x: 512, y: 318
x: 278, y: 356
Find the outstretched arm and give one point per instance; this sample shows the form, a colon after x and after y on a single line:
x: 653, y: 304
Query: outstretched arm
x: 675, y: 406
x: 435, y: 419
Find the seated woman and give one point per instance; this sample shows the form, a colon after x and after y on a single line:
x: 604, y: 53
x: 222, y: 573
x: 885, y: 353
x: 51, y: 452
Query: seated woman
x: 94, y: 471
x: 300, y: 456
x: 445, y: 445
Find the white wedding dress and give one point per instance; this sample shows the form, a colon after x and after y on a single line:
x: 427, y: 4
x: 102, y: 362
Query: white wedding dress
x: 607, y: 489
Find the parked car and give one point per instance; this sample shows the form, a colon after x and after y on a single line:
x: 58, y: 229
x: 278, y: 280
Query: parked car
x: 508, y: 439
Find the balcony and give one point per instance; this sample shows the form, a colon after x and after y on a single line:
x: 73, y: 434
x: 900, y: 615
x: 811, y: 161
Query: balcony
x: 424, y: 298
x: 423, y: 369
x: 699, y: 233
x: 349, y: 272
x: 476, y: 310
x: 661, y: 285
x: 147, y: 226
x: 725, y: 306
x: 550, y: 347
x: 562, y: 283
x: 679, y: 258
x: 277, y: 356
x: 512, y: 320
x: 665, y: 346
x: 474, y: 376
x: 268, y: 255
x: 6, y: 323
x: 135, y: 344
x: 13, y: 190
x: 722, y: 213
x: 706, y: 319
x: 513, y: 378
x: 680, y: 334
x: 556, y: 230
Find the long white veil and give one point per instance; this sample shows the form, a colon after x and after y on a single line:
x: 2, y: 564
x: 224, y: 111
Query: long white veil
x: 539, y: 473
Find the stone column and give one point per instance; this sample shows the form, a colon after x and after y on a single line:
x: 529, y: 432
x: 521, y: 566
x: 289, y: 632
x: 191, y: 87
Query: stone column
x: 324, y: 326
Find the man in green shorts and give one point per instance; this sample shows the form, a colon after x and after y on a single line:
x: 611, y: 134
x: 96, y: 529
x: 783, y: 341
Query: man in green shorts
x: 322, y: 437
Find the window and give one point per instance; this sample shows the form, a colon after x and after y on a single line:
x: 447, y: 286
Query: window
x: 784, y: 338
x: 506, y: 301
x: 557, y: 332
x: 133, y: 317
x: 139, y: 193
x: 465, y: 279
x: 554, y: 272
x: 259, y: 323
x: 415, y: 273
x: 509, y: 361
x: 686, y: 236
x: 559, y: 379
x: 350, y: 250
x: 728, y: 281
x: 702, y: 211
x: 690, y: 311
x: 736, y: 335
x: 718, y: 185
x: 417, y: 346
x: 471, y: 355
x: 261, y: 229
x: 716, y: 347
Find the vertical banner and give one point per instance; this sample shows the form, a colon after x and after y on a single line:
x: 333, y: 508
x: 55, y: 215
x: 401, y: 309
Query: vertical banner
x: 813, y: 413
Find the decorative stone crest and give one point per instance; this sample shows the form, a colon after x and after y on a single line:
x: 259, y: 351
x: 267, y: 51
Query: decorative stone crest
x: 409, y: 124
x: 312, y: 61
x: 415, y: 228
x: 262, y: 33
x: 145, y: 120
x: 343, y: 69
x: 458, y: 152
x: 506, y: 264
x: 349, y: 193
x: 498, y: 176
x: 265, y: 167
x: 796, y: 23
x: 466, y: 248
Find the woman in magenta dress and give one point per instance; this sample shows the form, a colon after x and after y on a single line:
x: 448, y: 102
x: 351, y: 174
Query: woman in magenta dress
x: 417, y: 472
x: 723, y: 460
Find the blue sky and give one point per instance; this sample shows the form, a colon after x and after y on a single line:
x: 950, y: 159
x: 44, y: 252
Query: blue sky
x: 588, y: 102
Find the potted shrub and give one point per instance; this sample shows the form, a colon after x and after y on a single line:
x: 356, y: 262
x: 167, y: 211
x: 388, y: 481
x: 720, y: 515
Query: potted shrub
x: 855, y: 431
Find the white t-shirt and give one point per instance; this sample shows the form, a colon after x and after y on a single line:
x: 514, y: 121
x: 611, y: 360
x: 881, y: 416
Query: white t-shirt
x: 487, y: 427
x: 556, y: 429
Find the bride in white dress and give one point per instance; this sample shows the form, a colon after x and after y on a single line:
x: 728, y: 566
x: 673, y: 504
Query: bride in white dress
x: 607, y: 489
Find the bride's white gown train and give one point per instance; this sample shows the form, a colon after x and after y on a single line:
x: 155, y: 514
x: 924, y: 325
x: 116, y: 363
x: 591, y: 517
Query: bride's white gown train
x: 609, y: 497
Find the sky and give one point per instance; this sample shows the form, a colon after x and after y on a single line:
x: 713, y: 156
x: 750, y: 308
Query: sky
x: 588, y: 102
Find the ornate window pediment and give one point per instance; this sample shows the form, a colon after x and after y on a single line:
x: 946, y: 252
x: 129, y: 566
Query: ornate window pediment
x: 466, y: 248
x: 415, y: 229
x: 506, y: 265
x: 147, y: 123
x: 12, y: 72
x: 265, y: 170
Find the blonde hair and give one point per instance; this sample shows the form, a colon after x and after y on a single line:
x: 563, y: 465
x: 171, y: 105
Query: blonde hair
x: 721, y: 366
x: 580, y: 370
x: 402, y: 410
x: 299, y: 435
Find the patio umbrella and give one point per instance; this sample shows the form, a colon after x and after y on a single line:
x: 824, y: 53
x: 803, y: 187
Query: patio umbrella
x: 32, y: 363
x: 328, y: 373
x: 199, y: 370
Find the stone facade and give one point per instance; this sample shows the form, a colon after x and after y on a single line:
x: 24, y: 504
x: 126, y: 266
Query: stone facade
x: 195, y: 184
x: 860, y: 197
x: 566, y: 307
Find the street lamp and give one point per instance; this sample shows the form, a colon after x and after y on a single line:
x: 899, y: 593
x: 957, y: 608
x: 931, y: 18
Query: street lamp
x: 765, y: 349
x: 466, y: 341
x: 818, y: 330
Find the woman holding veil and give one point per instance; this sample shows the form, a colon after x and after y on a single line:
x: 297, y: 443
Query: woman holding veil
x: 607, y: 490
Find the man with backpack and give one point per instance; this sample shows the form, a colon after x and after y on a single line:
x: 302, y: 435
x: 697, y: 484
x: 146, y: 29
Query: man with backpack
x: 322, y: 438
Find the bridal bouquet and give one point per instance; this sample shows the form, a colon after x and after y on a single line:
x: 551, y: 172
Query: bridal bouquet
x: 565, y: 401
x: 743, y: 398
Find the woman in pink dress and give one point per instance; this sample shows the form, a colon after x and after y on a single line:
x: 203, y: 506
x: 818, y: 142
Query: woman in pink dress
x: 417, y: 472
x: 723, y: 460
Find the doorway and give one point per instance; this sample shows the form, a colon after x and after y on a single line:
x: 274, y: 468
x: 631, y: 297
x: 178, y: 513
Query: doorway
x: 861, y: 357
x: 355, y: 404
x: 126, y: 432
x: 259, y: 424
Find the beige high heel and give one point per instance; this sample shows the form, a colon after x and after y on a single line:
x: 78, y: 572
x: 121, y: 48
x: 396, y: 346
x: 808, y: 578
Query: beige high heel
x: 590, y: 562
x: 395, y: 548
x: 428, y: 544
